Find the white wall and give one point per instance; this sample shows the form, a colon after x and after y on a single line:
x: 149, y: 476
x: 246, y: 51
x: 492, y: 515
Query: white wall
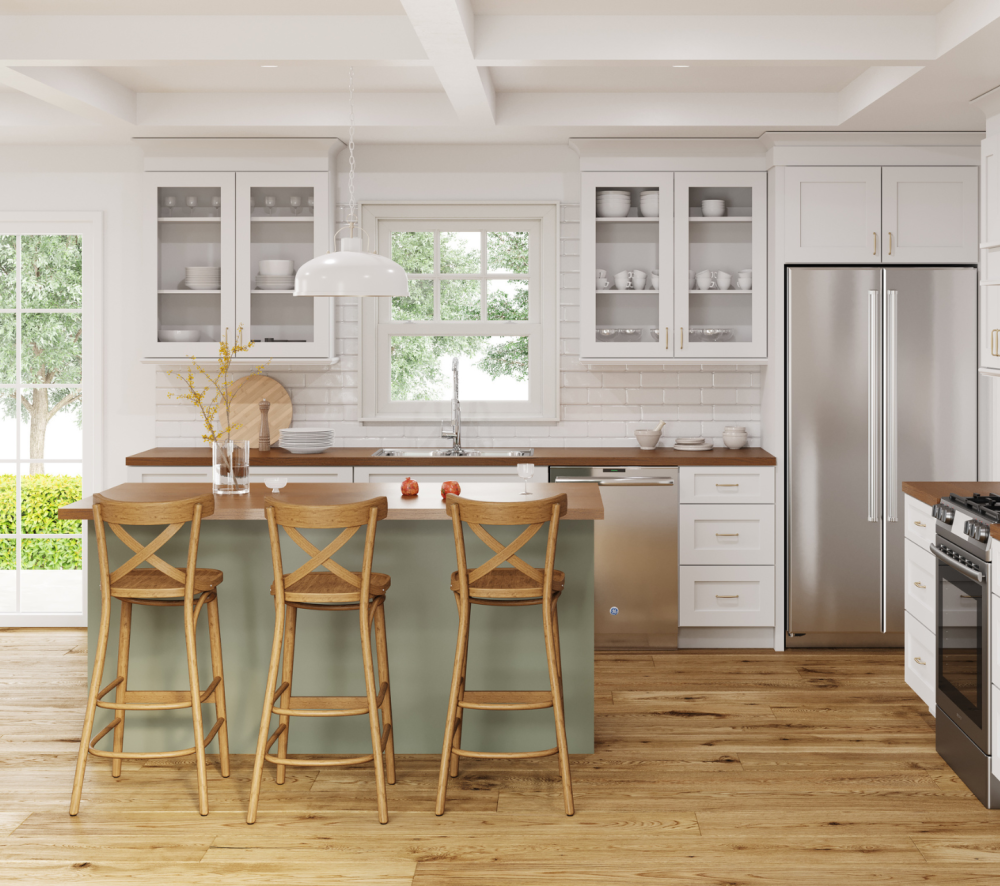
x: 601, y: 406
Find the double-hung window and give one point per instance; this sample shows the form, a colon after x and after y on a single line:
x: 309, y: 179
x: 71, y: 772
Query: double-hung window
x: 482, y: 288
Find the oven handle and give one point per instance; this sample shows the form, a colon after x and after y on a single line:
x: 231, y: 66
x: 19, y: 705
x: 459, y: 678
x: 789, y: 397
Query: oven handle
x: 974, y: 574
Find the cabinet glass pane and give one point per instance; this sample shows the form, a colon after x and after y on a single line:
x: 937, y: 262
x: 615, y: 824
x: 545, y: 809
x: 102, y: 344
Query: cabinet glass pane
x: 280, y: 317
x: 189, y: 316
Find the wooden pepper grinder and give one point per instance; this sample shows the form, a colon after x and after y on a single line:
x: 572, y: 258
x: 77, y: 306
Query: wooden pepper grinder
x: 264, y: 443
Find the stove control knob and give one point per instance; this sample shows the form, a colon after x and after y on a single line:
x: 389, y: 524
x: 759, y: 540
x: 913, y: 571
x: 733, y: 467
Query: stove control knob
x: 948, y: 514
x: 983, y: 532
x: 967, y: 528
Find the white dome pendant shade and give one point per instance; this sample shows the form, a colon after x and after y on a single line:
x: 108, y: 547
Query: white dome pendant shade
x: 351, y: 272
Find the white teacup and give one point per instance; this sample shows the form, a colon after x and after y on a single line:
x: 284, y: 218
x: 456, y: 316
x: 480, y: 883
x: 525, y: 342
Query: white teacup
x: 690, y: 279
x: 703, y: 279
x: 654, y: 280
x: 603, y: 283
x: 623, y: 280
x: 723, y: 279
x: 638, y: 279
x: 743, y: 282
x: 601, y: 273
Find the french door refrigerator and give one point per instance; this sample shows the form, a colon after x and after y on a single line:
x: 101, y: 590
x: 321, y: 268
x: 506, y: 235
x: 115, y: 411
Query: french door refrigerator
x: 882, y: 387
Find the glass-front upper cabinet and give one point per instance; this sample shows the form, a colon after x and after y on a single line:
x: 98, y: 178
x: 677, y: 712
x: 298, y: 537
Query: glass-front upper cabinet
x: 626, y: 245
x: 190, y: 261
x: 224, y: 254
x: 720, y: 270
x: 281, y: 223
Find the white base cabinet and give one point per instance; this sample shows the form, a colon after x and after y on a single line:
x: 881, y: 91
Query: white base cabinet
x: 178, y: 474
x: 919, y: 601
x: 431, y: 475
x: 920, y: 668
x: 726, y: 596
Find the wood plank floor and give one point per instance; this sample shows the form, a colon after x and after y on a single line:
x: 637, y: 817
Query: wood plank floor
x: 805, y: 767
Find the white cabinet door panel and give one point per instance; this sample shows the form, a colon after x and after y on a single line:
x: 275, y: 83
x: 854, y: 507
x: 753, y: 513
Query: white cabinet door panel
x: 720, y: 485
x: 995, y: 648
x: 918, y: 524
x: 833, y: 214
x: 726, y: 534
x: 304, y: 475
x: 919, y: 578
x: 919, y: 669
x: 989, y: 323
x: 434, y: 475
x: 726, y: 596
x: 930, y: 214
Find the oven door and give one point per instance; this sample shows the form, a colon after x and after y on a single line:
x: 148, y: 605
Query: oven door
x: 963, y: 682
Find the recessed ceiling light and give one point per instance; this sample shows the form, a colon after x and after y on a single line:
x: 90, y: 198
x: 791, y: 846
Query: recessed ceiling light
x: 682, y: 66
x: 269, y: 66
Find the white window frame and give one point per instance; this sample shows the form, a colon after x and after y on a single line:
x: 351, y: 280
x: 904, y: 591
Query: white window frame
x: 90, y: 226
x: 542, y: 327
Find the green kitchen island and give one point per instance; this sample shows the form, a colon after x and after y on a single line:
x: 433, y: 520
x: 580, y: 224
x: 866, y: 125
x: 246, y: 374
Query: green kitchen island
x: 415, y: 546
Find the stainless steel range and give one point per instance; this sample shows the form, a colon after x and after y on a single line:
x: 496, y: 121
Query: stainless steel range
x: 964, y: 551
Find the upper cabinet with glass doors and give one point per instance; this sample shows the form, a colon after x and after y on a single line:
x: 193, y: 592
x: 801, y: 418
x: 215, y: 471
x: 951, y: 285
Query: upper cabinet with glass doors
x: 224, y: 254
x: 668, y: 262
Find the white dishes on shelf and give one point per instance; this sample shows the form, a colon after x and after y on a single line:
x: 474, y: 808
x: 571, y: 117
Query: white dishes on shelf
x: 649, y: 204
x: 265, y: 282
x: 706, y: 333
x: 275, y: 273
x: 203, y: 278
x: 178, y: 335
x: 303, y: 441
x: 713, y: 208
x: 613, y: 204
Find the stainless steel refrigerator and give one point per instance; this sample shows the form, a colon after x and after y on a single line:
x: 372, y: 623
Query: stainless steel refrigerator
x: 882, y: 387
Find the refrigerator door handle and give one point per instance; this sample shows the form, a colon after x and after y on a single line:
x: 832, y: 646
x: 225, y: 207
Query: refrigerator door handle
x: 891, y: 424
x: 874, y: 402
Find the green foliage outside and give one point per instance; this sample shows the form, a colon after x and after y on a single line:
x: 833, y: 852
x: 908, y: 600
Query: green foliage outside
x: 51, y: 344
x: 41, y: 497
x: 416, y: 359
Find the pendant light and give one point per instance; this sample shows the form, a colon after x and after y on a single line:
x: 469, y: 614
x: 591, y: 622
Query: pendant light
x: 351, y: 271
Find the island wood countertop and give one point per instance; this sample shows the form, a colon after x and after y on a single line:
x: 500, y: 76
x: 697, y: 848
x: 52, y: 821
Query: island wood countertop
x: 201, y: 456
x: 931, y: 493
x: 584, y: 501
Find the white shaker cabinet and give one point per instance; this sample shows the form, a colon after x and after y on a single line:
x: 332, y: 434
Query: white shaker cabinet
x: 833, y: 214
x: 989, y: 258
x: 920, y: 600
x: 930, y: 214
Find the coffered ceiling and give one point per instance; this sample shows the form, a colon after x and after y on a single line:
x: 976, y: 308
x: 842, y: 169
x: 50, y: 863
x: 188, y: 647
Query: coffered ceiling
x: 490, y: 70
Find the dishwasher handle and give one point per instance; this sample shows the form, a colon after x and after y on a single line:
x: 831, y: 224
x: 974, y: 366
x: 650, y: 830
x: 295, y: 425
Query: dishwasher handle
x: 625, y: 481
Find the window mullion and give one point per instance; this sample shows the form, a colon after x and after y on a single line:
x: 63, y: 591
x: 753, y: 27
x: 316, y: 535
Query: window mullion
x: 437, y: 275
x: 17, y: 425
x: 482, y: 280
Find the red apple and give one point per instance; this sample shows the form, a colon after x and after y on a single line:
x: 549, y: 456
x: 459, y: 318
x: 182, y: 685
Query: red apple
x: 409, y: 487
x: 450, y: 486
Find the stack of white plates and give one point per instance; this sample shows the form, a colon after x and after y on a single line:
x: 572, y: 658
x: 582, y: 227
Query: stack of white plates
x: 692, y: 444
x: 302, y: 441
x: 649, y: 204
x: 203, y: 278
x: 613, y: 204
x: 265, y: 281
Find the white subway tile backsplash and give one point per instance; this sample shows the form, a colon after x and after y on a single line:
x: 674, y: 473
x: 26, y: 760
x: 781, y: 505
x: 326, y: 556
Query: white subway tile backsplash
x: 601, y: 405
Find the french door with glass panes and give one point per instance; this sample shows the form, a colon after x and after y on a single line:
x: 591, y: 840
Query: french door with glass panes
x: 41, y: 420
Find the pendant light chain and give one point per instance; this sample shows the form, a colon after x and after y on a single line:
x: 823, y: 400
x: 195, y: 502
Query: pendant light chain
x: 351, y: 215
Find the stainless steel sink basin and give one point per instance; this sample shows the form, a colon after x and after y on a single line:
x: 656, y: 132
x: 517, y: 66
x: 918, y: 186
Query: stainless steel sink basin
x: 443, y: 453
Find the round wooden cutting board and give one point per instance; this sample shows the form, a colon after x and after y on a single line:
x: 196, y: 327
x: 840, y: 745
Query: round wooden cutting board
x: 245, y: 409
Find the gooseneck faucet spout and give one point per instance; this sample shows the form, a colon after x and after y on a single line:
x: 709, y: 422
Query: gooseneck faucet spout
x: 455, y: 431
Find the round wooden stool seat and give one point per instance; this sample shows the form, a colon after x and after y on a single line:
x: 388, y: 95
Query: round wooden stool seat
x: 508, y: 584
x: 318, y: 588
x: 151, y: 584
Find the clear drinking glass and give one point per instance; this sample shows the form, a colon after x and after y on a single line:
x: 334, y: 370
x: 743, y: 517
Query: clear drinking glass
x: 526, y: 472
x: 231, y: 467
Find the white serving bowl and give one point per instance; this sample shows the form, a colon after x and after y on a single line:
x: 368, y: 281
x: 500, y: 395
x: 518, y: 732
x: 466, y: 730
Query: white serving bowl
x: 613, y: 211
x: 713, y: 208
x: 647, y: 439
x: 179, y: 335
x: 275, y: 267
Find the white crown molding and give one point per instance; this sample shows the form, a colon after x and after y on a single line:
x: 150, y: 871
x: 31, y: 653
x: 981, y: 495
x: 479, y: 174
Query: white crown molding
x: 239, y: 154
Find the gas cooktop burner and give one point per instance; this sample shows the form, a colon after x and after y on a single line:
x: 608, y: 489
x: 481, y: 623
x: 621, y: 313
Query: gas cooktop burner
x: 987, y: 506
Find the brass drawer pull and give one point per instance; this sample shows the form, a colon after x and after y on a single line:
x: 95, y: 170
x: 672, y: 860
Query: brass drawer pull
x: 918, y: 523
x: 666, y: 337
x: 919, y: 660
x: 726, y: 596
x: 737, y: 485
x: 874, y: 242
x: 919, y: 585
x: 890, y: 242
x: 727, y: 535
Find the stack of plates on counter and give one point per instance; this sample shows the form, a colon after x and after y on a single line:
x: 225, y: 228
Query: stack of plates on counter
x: 203, y: 278
x: 302, y: 441
x: 692, y: 444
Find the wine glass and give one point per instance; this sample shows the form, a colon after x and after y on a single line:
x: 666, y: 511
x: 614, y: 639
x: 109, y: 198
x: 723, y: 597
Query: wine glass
x: 216, y: 206
x: 295, y: 203
x: 169, y: 203
x: 269, y: 203
x: 310, y: 202
x: 526, y: 472
x: 192, y: 203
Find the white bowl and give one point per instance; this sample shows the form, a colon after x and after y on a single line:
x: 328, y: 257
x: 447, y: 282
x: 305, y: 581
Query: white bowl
x: 276, y: 484
x: 647, y: 439
x: 275, y: 267
x: 713, y: 208
x: 179, y: 335
x: 613, y: 211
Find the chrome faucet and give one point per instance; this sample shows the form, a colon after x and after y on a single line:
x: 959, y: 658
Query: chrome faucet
x: 454, y: 433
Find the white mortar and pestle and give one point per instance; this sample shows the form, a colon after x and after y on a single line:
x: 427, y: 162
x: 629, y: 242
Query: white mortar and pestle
x: 649, y: 438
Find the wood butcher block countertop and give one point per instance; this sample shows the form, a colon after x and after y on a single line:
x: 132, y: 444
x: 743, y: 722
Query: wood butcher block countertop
x: 201, y: 456
x: 931, y: 493
x: 584, y: 501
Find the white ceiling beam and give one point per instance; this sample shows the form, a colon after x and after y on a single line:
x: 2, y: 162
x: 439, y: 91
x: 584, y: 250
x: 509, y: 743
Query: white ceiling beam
x: 133, y: 39
x: 873, y: 84
x: 962, y: 19
x: 18, y: 111
x: 446, y: 30
x: 537, y: 39
x: 321, y: 110
x: 81, y: 91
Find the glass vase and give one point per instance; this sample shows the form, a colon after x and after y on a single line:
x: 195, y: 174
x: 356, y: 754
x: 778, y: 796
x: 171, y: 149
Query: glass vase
x: 231, y: 467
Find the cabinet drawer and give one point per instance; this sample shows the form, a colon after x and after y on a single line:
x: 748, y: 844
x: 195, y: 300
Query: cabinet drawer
x: 727, y: 484
x: 431, y: 475
x: 919, y: 669
x: 726, y: 596
x: 918, y: 524
x: 304, y: 475
x: 919, y: 575
x: 726, y: 534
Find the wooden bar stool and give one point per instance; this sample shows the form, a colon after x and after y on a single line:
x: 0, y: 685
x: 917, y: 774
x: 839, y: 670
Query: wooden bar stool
x: 340, y: 590
x: 517, y: 585
x: 162, y: 585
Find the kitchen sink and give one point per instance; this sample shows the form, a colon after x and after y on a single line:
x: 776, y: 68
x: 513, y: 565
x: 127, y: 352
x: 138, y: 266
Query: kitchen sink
x: 443, y: 453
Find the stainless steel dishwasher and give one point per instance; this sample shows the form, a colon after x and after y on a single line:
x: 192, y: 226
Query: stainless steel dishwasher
x: 635, y: 554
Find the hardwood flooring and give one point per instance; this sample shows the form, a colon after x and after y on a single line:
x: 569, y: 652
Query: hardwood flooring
x: 804, y: 768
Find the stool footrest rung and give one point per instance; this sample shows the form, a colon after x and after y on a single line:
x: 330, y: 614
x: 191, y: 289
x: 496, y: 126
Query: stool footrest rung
x: 496, y: 700
x: 159, y: 699
x: 109, y: 687
x: 314, y: 764
x: 148, y: 755
x: 328, y: 705
x: 510, y: 755
x: 386, y: 732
